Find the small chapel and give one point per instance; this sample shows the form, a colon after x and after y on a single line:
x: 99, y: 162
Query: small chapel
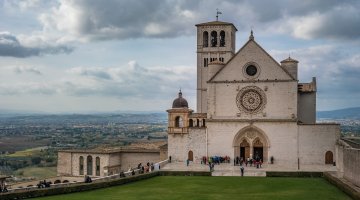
x: 248, y: 104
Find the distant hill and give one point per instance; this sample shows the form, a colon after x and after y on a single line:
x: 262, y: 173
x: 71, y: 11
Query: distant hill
x: 347, y: 113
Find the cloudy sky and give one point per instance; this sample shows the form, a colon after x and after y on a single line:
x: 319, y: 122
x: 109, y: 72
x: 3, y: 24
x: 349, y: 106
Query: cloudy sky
x: 86, y: 56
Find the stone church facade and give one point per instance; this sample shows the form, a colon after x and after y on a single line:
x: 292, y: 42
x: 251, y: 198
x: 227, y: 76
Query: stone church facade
x: 248, y: 105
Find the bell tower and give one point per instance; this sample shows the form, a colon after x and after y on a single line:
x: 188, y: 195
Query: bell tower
x: 215, y: 42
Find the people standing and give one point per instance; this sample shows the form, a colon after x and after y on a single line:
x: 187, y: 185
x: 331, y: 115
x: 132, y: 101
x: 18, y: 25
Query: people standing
x: 242, y: 170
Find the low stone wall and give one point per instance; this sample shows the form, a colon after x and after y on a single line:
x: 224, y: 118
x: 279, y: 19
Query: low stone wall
x: 78, y: 187
x: 351, y: 164
x: 184, y: 173
x: 343, y: 186
x: 293, y: 174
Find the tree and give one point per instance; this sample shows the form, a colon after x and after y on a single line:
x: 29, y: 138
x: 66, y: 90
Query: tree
x: 35, y: 160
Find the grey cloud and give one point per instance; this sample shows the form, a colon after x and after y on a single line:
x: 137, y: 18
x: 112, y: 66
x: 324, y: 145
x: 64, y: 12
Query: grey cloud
x: 131, y: 81
x: 33, y: 70
x: 96, y: 20
x: 11, y: 46
x: 337, y: 70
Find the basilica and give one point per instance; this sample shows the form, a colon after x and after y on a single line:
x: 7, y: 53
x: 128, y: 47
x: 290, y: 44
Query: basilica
x: 248, y: 105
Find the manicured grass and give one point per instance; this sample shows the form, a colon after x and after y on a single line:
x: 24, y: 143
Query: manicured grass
x: 181, y: 187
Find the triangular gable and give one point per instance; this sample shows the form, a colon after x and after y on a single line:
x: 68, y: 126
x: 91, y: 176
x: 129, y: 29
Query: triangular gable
x: 252, y: 52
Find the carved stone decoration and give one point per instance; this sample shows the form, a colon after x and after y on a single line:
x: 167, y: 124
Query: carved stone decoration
x: 251, y: 134
x: 251, y: 99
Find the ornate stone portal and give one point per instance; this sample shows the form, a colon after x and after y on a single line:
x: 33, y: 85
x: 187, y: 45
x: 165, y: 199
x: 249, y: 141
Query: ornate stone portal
x: 251, y: 99
x: 251, y: 142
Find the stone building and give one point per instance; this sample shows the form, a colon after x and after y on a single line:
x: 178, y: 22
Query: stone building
x: 107, y: 161
x: 248, y: 105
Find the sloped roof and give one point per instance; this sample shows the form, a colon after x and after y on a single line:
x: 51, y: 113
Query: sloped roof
x: 251, y: 40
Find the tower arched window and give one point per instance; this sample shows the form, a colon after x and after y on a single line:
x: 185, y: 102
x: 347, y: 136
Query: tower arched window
x: 213, y: 38
x: 179, y: 122
x: 205, y: 39
x: 191, y: 122
x: 222, y: 38
x: 81, y: 165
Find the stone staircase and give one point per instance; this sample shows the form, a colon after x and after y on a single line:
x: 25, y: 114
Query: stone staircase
x: 252, y: 172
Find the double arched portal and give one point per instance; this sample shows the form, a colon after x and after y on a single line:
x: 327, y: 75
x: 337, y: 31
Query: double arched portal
x: 251, y: 142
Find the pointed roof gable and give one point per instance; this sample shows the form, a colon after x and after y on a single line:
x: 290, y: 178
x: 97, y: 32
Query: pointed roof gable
x: 251, y: 41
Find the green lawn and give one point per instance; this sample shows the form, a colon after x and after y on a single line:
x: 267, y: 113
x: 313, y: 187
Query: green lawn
x: 181, y: 187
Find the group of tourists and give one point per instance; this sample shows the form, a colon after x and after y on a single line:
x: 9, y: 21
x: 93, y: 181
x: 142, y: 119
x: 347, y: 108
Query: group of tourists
x: 87, y: 179
x: 3, y: 189
x: 256, y: 162
x: 145, y: 169
x: 44, y: 184
x: 215, y: 159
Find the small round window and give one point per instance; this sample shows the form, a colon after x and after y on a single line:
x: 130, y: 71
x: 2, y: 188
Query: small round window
x: 251, y: 70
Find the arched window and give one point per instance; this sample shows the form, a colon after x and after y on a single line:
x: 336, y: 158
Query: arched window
x: 191, y: 122
x: 81, y: 165
x: 203, y: 122
x: 197, y: 122
x: 213, y: 38
x: 329, y: 157
x: 89, y: 165
x: 206, y: 39
x: 97, y: 166
x: 178, y: 122
x: 191, y: 156
x: 222, y: 38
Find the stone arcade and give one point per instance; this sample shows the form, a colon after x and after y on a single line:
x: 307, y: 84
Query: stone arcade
x: 248, y: 105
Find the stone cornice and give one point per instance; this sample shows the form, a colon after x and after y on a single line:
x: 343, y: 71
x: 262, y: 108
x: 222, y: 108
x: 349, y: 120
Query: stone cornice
x: 110, y: 151
x: 251, y: 81
x: 251, y: 120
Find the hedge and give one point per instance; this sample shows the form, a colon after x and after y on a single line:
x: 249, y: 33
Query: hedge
x: 294, y: 174
x: 184, y: 173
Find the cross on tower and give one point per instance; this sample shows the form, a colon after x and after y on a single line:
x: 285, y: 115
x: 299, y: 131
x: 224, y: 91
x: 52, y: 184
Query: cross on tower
x: 217, y: 14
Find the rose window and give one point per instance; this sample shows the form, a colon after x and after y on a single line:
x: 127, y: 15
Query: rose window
x: 251, y: 99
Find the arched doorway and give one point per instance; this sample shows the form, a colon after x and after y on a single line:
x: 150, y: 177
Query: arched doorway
x: 244, y: 149
x: 191, y: 156
x: 258, y: 149
x: 329, y: 157
x: 250, y: 142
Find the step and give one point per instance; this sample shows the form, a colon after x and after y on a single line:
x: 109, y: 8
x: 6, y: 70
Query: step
x: 237, y: 173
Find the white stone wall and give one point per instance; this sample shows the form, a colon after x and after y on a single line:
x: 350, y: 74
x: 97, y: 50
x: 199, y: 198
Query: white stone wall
x: 281, y: 101
x: 352, y: 165
x: 104, y: 161
x: 315, y: 141
x: 132, y: 159
x: 307, y: 107
x: 180, y: 144
x: 251, y: 52
x: 64, y: 164
x: 281, y: 136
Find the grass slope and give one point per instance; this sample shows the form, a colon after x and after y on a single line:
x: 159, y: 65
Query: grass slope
x: 200, y: 188
x: 37, y: 172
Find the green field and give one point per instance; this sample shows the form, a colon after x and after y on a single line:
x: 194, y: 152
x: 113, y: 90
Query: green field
x: 36, y: 172
x: 181, y: 187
